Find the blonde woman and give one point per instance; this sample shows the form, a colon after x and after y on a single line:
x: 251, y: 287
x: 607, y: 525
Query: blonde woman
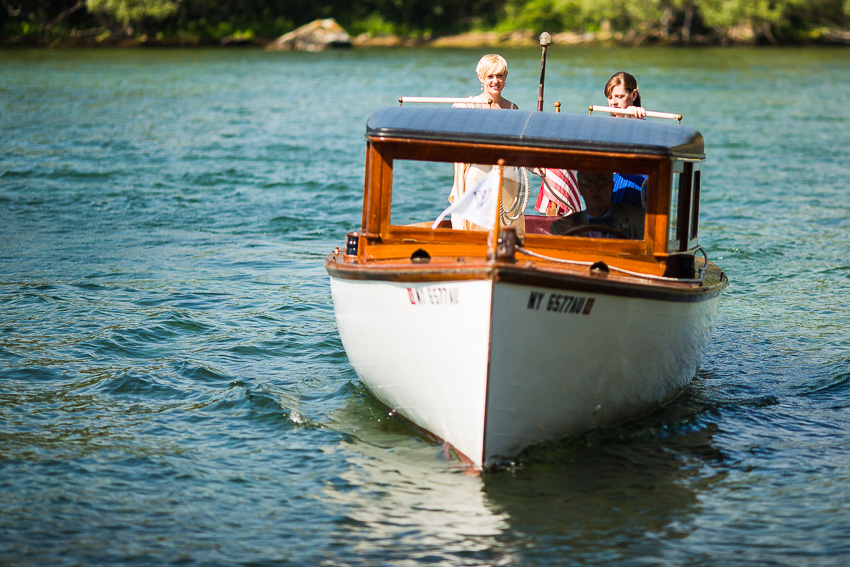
x: 492, y: 72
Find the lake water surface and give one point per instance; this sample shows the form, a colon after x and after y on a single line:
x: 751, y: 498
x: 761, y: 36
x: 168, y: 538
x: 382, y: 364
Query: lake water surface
x: 173, y: 389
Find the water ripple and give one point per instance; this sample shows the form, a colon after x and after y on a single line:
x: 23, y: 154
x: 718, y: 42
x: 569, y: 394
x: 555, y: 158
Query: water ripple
x: 173, y: 388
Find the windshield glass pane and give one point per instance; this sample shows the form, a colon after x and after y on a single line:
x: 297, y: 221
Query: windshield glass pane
x: 536, y: 200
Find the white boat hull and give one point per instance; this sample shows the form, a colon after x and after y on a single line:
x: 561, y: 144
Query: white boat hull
x: 492, y: 367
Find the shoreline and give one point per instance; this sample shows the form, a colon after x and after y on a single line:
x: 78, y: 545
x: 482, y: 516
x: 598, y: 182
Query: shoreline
x: 468, y: 40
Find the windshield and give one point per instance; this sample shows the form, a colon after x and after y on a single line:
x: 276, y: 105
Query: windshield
x: 534, y: 200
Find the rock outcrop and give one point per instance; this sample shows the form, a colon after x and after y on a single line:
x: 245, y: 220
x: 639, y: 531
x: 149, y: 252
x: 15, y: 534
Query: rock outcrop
x: 315, y: 36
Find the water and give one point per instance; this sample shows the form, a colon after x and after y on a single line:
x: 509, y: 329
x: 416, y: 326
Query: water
x: 173, y: 389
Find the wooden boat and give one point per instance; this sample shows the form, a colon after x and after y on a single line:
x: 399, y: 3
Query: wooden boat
x: 497, y: 340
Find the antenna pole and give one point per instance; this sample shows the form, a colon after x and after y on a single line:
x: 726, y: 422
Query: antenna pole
x: 545, y: 40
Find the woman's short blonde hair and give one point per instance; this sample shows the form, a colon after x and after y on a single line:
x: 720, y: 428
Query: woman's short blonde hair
x: 491, y: 64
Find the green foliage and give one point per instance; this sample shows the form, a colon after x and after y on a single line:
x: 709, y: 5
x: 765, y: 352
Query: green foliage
x: 123, y: 17
x: 631, y: 20
x: 554, y: 15
x: 770, y: 19
x: 753, y: 20
x: 594, y: 15
x: 41, y: 19
x: 374, y: 25
x: 728, y: 13
x: 128, y: 12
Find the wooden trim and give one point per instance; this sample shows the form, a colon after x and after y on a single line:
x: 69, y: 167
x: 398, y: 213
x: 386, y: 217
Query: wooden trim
x: 382, y: 241
x: 609, y: 284
x: 427, y: 150
x: 657, y: 213
x: 579, y: 279
x: 367, y: 177
x: 371, y: 195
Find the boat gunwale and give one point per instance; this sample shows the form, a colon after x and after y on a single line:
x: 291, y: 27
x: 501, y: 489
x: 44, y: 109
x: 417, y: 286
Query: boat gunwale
x: 593, y: 281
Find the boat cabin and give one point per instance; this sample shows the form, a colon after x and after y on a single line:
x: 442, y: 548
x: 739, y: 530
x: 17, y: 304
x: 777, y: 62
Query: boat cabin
x: 415, y: 155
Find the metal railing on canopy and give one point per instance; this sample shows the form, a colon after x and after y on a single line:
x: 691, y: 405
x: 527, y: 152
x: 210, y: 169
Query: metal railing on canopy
x: 630, y: 112
x: 440, y: 100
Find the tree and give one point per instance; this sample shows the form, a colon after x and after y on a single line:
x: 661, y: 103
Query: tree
x: 552, y: 15
x: 771, y: 19
x: 637, y: 19
x: 123, y: 17
x: 40, y: 17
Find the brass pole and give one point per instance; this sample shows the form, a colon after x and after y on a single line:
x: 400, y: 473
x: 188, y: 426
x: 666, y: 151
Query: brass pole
x: 494, y: 236
x: 545, y: 40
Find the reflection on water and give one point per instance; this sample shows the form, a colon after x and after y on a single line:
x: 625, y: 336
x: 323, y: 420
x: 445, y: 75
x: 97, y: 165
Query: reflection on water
x: 606, y: 497
x: 402, y: 490
x: 609, y: 495
x: 651, y: 491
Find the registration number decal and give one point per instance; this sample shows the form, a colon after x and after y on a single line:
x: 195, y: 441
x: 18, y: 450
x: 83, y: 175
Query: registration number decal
x: 560, y: 303
x: 432, y: 295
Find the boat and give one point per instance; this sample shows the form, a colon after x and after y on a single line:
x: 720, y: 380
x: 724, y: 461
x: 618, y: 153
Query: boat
x: 497, y: 339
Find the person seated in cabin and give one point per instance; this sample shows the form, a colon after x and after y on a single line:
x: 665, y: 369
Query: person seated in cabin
x: 492, y: 73
x: 601, y: 217
x: 621, y: 90
x: 629, y: 189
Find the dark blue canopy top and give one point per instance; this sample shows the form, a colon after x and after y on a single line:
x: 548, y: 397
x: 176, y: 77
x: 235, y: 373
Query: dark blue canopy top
x: 537, y: 129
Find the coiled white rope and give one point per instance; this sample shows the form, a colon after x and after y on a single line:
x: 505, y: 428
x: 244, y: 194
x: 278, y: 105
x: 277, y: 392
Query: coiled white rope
x: 517, y: 208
